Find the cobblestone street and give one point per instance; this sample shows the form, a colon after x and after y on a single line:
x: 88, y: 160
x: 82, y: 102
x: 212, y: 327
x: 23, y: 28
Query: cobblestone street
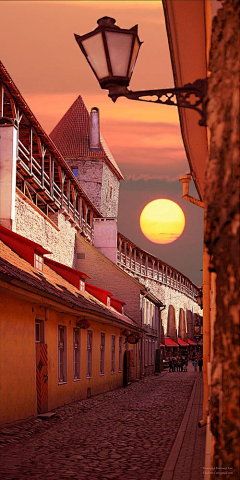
x: 124, y: 434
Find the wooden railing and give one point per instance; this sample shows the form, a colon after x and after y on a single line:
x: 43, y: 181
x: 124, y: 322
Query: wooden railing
x: 52, y: 192
x: 149, y: 273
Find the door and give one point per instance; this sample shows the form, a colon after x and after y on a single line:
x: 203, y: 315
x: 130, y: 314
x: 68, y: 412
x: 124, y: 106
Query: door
x: 126, y: 368
x: 41, y: 370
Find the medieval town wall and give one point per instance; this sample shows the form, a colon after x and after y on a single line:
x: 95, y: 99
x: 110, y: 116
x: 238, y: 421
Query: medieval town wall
x: 170, y: 296
x: 104, y: 274
x: 58, y: 236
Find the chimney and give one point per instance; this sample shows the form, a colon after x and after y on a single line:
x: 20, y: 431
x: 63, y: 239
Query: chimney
x: 105, y: 237
x: 94, y: 129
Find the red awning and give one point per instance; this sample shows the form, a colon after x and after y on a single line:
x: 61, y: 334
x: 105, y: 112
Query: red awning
x: 191, y: 342
x: 170, y: 343
x: 162, y: 345
x: 182, y: 343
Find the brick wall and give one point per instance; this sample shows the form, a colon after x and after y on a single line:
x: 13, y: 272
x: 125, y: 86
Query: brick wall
x: 222, y: 232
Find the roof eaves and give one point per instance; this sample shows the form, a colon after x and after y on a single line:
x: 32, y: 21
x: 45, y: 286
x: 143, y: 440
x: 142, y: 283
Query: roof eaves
x: 42, y: 134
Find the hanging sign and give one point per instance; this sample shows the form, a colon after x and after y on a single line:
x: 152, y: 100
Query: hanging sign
x: 197, y: 338
x: 133, y: 339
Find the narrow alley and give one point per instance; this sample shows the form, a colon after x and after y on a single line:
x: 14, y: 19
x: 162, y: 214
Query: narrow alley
x: 146, y: 431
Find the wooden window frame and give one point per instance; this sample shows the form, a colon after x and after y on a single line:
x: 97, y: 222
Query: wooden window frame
x: 38, y: 262
x: 62, y: 355
x: 41, y: 330
x: 120, y: 354
x: 89, y: 364
x: 113, y: 354
x: 76, y: 354
x: 102, y: 354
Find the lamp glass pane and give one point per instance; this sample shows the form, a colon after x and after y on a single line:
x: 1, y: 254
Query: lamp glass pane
x: 96, y: 55
x: 134, y: 56
x: 119, y: 47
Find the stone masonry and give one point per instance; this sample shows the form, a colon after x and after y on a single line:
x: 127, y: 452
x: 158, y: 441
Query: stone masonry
x: 33, y: 224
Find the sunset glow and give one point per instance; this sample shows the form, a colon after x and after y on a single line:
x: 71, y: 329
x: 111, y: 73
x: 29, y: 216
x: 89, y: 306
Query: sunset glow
x: 162, y: 221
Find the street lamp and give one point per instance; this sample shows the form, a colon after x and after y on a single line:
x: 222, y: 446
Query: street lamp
x: 112, y: 52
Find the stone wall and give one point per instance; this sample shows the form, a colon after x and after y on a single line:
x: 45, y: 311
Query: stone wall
x: 104, y: 274
x: 90, y: 173
x: 33, y: 224
x: 170, y: 296
x: 222, y: 233
x: 99, y: 182
x: 110, y: 193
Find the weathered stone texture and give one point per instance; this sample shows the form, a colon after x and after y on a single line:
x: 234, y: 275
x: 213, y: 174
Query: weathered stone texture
x: 99, y: 182
x: 90, y: 173
x: 110, y: 193
x: 31, y: 224
x: 170, y: 296
x: 222, y: 231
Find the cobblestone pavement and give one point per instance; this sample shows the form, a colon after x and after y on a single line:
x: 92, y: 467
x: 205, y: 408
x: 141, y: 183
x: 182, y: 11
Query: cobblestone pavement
x: 124, y: 434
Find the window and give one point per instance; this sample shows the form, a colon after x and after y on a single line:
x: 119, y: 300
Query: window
x: 120, y: 357
x: 75, y: 172
x: 113, y: 341
x: 89, y: 353
x: 76, y: 354
x: 82, y: 285
x: 102, y: 353
x: 38, y: 262
x: 62, y: 354
x: 111, y: 193
x: 39, y: 331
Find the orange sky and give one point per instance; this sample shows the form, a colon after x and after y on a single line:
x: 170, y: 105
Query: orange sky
x: 43, y: 58
x: 40, y: 53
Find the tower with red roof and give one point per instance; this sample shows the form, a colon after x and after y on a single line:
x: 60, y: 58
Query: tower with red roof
x: 77, y: 137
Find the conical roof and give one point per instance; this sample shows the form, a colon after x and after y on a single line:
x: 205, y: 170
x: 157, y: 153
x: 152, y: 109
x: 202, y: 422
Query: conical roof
x: 71, y: 136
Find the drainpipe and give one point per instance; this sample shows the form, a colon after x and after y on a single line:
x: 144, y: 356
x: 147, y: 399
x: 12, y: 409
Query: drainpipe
x: 185, y: 180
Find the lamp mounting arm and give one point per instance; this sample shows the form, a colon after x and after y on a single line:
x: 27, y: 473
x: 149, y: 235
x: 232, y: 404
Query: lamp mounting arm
x: 190, y: 95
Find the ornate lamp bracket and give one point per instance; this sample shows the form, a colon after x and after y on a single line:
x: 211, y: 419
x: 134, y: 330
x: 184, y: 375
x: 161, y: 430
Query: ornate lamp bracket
x: 190, y: 95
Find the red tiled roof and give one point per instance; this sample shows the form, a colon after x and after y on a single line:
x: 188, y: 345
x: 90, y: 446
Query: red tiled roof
x: 49, y: 283
x: 71, y: 136
x: 170, y: 343
x: 182, y: 343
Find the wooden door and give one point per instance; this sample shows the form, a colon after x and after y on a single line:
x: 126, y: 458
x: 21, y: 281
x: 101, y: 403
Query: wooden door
x: 126, y: 368
x: 42, y: 377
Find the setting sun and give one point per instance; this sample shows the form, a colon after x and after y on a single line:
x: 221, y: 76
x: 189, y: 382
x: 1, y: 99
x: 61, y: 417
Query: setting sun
x: 162, y: 221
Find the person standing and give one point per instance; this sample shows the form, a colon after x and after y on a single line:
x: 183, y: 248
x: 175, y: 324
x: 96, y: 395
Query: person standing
x: 182, y: 363
x: 195, y: 365
x: 179, y: 364
x: 170, y: 364
x: 200, y: 364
